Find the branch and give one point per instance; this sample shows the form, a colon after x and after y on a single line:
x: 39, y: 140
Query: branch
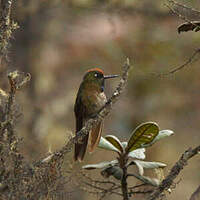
x: 124, y: 186
x: 187, y: 62
x: 196, y: 194
x: 192, y: 10
x: 102, y: 188
x: 93, y: 121
x: 7, y: 26
x: 16, y: 80
x: 168, y: 181
x: 180, y: 29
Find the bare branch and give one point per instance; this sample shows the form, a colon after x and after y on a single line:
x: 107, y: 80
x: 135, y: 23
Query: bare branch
x: 168, y: 181
x: 186, y: 63
x: 100, y: 187
x: 175, y: 3
x: 196, y: 194
x: 103, y: 190
x: 185, y: 13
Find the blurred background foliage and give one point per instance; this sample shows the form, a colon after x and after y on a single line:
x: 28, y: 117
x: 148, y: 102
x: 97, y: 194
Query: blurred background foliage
x: 59, y: 40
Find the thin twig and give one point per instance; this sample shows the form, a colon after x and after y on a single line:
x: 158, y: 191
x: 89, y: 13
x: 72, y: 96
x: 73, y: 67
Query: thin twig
x: 140, y: 192
x: 99, y: 182
x: 168, y: 181
x: 186, y: 63
x: 105, y: 191
x: 137, y: 186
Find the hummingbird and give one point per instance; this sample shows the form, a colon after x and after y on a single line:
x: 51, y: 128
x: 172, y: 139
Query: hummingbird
x: 90, y: 99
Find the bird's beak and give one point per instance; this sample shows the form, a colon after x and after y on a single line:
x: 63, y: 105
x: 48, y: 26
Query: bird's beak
x: 110, y: 76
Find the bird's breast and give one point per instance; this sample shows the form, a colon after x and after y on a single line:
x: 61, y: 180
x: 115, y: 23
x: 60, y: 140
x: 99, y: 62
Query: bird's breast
x: 94, y: 101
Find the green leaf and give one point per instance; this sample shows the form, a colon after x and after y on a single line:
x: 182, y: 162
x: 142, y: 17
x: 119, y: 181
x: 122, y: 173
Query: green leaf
x: 105, y: 144
x: 115, y: 142
x: 142, y: 135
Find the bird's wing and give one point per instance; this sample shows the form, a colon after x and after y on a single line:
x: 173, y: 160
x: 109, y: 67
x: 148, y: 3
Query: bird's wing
x: 80, y: 147
x: 95, y: 135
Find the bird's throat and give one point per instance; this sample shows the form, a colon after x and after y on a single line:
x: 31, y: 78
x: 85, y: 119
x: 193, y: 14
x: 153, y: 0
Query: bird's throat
x: 93, y: 87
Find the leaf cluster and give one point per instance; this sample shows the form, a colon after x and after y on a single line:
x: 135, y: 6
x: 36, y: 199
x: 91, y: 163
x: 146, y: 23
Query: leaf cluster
x: 131, y: 152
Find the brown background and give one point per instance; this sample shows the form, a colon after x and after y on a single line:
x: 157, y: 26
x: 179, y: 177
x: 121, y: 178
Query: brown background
x: 59, y: 40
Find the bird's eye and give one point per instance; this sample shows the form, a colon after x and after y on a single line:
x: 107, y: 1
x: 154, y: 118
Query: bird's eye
x: 96, y: 75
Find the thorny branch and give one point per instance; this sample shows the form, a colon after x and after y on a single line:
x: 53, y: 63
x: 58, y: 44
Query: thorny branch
x: 92, y: 122
x: 168, y: 181
x: 7, y: 26
x: 11, y: 159
x: 16, y: 80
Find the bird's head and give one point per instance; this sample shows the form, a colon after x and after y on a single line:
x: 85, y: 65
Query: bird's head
x: 97, y: 76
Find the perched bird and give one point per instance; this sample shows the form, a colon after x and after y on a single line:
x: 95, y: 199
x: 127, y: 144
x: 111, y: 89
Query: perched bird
x: 90, y: 99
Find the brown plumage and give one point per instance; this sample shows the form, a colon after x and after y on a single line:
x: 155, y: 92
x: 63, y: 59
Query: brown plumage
x: 90, y: 99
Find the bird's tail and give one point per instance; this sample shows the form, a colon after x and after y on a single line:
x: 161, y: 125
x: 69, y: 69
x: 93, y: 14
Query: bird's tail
x: 95, y: 135
x: 80, y: 149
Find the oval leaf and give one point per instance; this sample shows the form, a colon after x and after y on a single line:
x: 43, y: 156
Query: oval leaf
x: 150, y: 165
x: 140, y: 167
x: 100, y: 165
x: 115, y: 171
x: 142, y: 135
x: 189, y: 26
x: 115, y: 142
x: 145, y: 179
x: 105, y: 144
x: 162, y: 134
x: 138, y: 153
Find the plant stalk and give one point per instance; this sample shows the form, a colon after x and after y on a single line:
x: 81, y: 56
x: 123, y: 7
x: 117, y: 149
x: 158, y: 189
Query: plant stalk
x: 123, y: 164
x: 124, y: 184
